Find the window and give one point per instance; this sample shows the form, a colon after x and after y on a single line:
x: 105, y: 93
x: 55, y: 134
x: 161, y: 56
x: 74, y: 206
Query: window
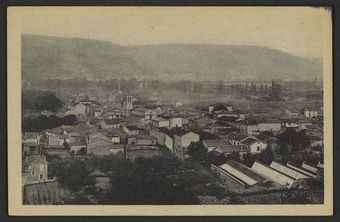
x: 41, y: 176
x: 33, y: 172
x: 258, y: 148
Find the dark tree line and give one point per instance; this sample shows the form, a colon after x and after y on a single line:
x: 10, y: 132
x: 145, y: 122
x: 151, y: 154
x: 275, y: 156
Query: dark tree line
x: 42, y: 122
x: 40, y: 100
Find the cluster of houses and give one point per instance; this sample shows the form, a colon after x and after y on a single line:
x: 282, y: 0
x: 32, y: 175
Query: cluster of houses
x: 135, y: 132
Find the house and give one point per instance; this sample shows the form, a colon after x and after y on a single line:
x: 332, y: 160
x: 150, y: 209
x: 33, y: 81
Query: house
x: 236, y: 139
x: 271, y: 141
x: 113, y: 114
x: 30, y: 141
x: 57, y: 136
x: 144, y: 113
x: 254, y: 145
x: 288, y: 171
x: 32, y: 137
x: 82, y: 108
x: 310, y: 113
x: 78, y: 146
x: 164, y: 137
x: 98, y: 112
x: 64, y: 138
x: 160, y: 122
x: 131, y: 130
x: 99, y: 145
x: 273, y: 174
x: 142, y: 139
x: 115, y: 135
x: 110, y: 123
x: 224, y: 147
x: 34, y: 169
x: 182, y: 139
x: 175, y: 122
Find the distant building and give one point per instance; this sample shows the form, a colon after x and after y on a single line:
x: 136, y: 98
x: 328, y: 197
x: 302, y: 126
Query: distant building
x: 310, y: 113
x: 160, y: 122
x: 164, y: 137
x: 256, y: 127
x: 78, y: 147
x: 79, y: 109
x: 30, y: 141
x: 131, y: 130
x: 178, y: 104
x: 110, y: 123
x: 144, y: 113
x: 143, y: 140
x: 127, y: 103
x: 254, y: 145
x: 115, y: 135
x: 175, y: 122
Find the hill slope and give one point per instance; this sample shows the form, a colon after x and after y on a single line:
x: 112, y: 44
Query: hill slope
x: 64, y: 58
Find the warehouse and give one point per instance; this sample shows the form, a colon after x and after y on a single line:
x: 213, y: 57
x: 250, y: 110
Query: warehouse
x: 301, y: 170
x: 288, y: 171
x: 274, y: 175
x: 237, y: 173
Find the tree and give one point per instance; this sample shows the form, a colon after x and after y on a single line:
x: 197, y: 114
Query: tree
x: 291, y: 141
x: 74, y: 173
x: 235, y: 156
x: 266, y: 156
x: 197, y: 151
x: 248, y: 160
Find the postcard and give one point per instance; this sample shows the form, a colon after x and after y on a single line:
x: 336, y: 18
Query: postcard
x: 170, y: 111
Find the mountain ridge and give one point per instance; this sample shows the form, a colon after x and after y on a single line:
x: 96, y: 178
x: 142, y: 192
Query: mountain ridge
x: 46, y: 57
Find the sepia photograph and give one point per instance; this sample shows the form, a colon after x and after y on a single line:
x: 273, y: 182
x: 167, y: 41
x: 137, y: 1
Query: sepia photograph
x: 170, y: 110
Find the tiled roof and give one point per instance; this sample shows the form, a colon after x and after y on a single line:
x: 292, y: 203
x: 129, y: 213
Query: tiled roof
x: 249, y: 141
x: 216, y: 143
x: 132, y: 127
x: 34, y: 159
x: 31, y: 135
x: 240, y: 137
x: 112, y: 121
x: 232, y: 148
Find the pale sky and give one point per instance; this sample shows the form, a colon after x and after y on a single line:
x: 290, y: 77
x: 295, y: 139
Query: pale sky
x: 295, y: 30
